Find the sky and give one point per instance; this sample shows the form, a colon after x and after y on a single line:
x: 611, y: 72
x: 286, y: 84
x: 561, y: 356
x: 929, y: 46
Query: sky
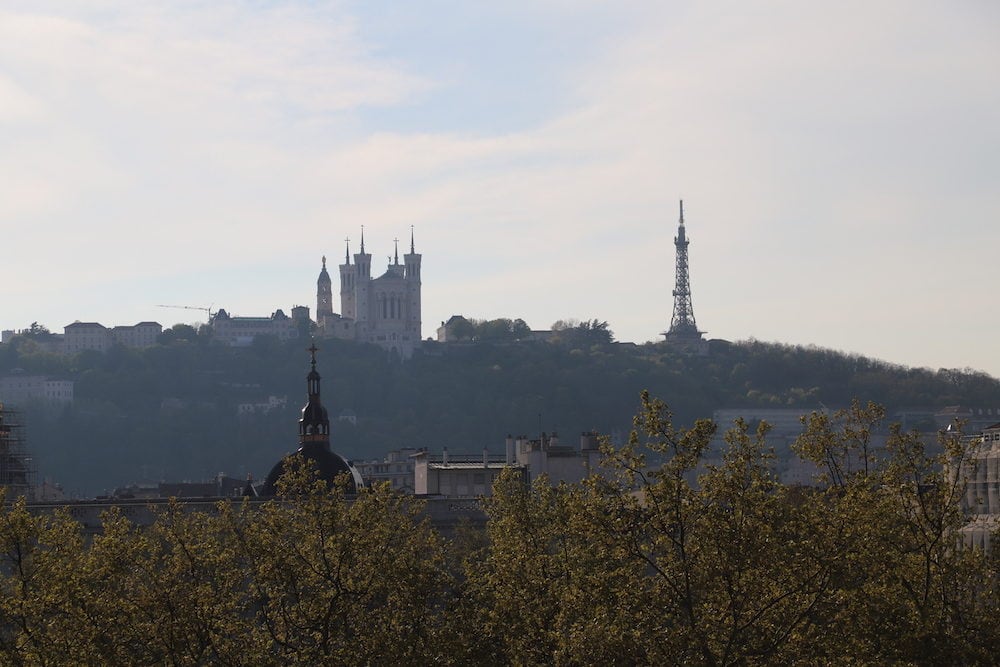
x: 839, y: 163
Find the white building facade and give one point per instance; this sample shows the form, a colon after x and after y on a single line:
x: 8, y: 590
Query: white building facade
x: 80, y: 336
x: 18, y: 389
x: 472, y: 476
x: 241, y: 331
x: 383, y: 310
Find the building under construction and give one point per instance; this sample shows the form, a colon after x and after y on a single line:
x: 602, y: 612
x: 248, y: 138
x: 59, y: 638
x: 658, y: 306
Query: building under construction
x: 16, y: 474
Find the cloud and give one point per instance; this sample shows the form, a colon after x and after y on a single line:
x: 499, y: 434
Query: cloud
x: 821, y: 157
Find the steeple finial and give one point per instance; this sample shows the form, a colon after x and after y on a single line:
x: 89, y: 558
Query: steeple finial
x: 682, y: 211
x: 324, y: 262
x: 362, y: 239
x: 347, y: 250
x: 412, y: 251
x: 396, y: 252
x: 312, y: 349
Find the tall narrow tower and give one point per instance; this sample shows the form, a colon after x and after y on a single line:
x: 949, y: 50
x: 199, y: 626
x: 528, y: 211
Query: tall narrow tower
x: 324, y: 295
x: 412, y: 274
x: 347, y: 282
x: 682, y: 325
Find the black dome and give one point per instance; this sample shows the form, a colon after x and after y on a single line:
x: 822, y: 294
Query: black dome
x: 314, y: 442
x: 328, y: 464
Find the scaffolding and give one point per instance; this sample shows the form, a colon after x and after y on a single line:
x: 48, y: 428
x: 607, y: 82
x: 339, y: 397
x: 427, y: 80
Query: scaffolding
x: 16, y: 473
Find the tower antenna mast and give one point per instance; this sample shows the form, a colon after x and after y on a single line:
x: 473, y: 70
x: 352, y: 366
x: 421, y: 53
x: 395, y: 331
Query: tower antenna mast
x: 683, y: 328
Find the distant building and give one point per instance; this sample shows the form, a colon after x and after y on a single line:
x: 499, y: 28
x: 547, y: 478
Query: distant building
x: 459, y: 476
x: 18, y: 388
x: 547, y: 455
x: 384, y: 310
x: 981, y: 502
x: 262, y: 407
x: 470, y: 476
x: 80, y: 336
x: 220, y: 487
x: 239, y: 331
x: 786, y: 426
x: 973, y: 420
x: 397, y: 468
x: 143, y: 334
x: 457, y: 328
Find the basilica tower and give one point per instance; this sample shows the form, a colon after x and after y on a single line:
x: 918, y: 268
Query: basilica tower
x: 348, y: 280
x: 359, y: 288
x: 324, y: 295
x: 412, y: 277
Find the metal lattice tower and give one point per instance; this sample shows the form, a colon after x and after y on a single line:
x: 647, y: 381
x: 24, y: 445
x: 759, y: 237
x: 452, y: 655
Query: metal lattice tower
x: 682, y: 324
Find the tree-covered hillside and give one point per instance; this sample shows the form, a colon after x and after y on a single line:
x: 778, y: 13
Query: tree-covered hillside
x: 169, y: 412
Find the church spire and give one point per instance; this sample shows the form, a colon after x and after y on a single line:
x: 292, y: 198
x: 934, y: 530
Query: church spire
x: 395, y: 259
x: 362, y: 239
x: 412, y: 251
x: 347, y: 250
x: 314, y: 426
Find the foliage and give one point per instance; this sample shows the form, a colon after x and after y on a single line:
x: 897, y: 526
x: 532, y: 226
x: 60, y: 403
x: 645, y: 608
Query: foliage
x: 314, y: 580
x: 39, y: 331
x: 661, y: 558
x: 582, y: 334
x: 492, y: 331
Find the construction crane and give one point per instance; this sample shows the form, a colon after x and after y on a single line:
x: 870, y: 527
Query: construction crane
x: 208, y: 311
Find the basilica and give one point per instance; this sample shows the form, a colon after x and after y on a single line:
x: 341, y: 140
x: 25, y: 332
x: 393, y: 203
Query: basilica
x: 383, y: 310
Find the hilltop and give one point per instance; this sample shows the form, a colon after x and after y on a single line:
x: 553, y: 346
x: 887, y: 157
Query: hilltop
x: 173, y: 411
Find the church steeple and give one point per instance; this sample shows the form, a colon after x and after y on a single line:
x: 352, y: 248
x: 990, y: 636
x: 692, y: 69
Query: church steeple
x: 314, y: 446
x: 347, y: 250
x: 362, y: 239
x: 314, y: 425
x: 395, y: 259
x: 411, y: 241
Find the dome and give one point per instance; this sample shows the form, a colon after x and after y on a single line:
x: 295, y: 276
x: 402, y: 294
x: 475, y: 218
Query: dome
x: 314, y: 442
x: 328, y: 464
x: 324, y: 276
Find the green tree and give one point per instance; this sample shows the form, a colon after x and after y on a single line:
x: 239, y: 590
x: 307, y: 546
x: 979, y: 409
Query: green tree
x: 905, y: 591
x: 343, y: 582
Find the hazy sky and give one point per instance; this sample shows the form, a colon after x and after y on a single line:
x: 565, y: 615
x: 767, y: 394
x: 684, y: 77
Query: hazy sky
x: 839, y: 163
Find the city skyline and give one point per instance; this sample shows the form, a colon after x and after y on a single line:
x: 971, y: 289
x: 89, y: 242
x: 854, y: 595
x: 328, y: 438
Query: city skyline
x: 838, y: 165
